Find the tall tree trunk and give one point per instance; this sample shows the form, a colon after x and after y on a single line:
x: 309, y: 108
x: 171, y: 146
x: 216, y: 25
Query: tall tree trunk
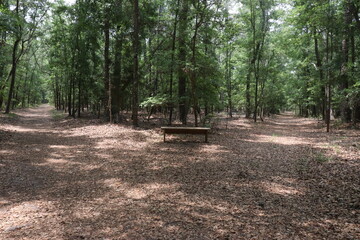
x: 228, y: 80
x: 247, y: 93
x: 79, y: 76
x: 107, y: 64
x: 2, y: 69
x: 256, y: 98
x: 258, y: 45
x: 79, y: 97
x: 173, y: 62
x: 198, y: 23
x: 329, y: 50
x: 183, y: 19
x: 344, y: 85
x: 136, y: 45
x: 73, y: 114
x: 70, y: 96
x: 355, y: 101
x: 56, y: 91
x: 254, y: 56
x: 321, y: 71
x: 13, y: 75
x: 117, y: 75
x: 14, y: 63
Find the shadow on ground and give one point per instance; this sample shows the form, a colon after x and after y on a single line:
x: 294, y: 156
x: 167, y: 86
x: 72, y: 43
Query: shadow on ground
x: 252, y: 181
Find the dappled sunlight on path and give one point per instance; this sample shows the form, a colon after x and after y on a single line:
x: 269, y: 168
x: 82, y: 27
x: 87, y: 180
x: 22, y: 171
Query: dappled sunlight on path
x: 73, y: 179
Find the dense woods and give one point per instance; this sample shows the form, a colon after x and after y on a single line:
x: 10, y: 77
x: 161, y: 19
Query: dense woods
x: 104, y: 164
x: 182, y: 57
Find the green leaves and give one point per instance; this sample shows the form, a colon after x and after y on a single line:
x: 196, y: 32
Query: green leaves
x: 156, y: 101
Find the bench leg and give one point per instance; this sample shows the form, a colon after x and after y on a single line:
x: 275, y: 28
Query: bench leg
x: 164, y: 136
x: 206, y: 137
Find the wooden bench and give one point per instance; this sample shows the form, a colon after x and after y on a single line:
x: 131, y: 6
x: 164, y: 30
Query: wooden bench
x: 186, y: 130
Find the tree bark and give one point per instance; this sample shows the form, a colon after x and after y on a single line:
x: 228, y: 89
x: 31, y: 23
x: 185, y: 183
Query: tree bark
x: 247, y: 93
x: 321, y: 72
x: 136, y: 45
x: 329, y: 50
x: 198, y: 22
x: 228, y: 79
x: 107, y: 64
x: 14, y: 64
x: 173, y: 61
x: 117, y: 75
x: 13, y: 75
x: 183, y: 19
x: 344, y: 85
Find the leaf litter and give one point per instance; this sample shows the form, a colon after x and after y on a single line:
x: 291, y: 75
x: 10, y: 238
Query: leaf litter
x: 284, y: 178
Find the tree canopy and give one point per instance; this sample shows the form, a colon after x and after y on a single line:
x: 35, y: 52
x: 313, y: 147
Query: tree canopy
x: 182, y: 57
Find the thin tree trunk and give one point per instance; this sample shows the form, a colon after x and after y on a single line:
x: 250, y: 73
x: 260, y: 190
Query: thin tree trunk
x: 355, y: 102
x: 79, y: 97
x: 183, y: 18
x: 14, y: 65
x: 256, y: 95
x: 107, y: 64
x: 2, y: 64
x: 328, y: 84
x: 136, y: 45
x: 247, y: 93
x: 321, y: 71
x: 172, y: 62
x: 13, y: 75
x: 193, y: 71
x: 344, y: 85
x: 73, y: 114
x: 117, y: 76
x: 69, y: 96
x: 228, y: 80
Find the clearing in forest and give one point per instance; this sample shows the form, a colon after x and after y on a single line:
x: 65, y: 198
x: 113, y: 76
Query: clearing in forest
x: 285, y: 178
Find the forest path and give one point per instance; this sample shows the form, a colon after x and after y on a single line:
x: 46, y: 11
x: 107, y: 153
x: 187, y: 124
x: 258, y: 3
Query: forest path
x: 34, y: 118
x: 285, y: 178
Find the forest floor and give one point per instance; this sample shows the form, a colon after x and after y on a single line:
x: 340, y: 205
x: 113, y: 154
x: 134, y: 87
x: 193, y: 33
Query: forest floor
x: 285, y: 178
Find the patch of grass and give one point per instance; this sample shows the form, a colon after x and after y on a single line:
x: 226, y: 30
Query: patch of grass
x: 10, y: 115
x: 337, y: 124
x: 303, y: 165
x: 333, y: 146
x: 306, y: 165
x: 320, y: 157
x: 210, y: 121
x: 275, y: 135
x: 337, y: 148
x: 57, y: 115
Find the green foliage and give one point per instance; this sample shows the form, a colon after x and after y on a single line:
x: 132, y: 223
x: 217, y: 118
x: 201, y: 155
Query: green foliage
x: 353, y: 94
x: 209, y: 120
x: 156, y: 101
x: 270, y: 56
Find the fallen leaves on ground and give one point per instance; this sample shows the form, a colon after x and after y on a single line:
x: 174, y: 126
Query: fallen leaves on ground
x: 284, y: 178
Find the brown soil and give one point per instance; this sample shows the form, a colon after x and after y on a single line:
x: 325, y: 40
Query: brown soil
x: 285, y: 178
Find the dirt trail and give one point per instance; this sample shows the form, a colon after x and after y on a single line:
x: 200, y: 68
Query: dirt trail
x: 80, y: 179
x: 34, y: 118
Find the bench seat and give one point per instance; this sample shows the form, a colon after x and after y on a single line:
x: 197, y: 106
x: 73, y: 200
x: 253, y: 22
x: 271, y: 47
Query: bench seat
x: 186, y: 130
